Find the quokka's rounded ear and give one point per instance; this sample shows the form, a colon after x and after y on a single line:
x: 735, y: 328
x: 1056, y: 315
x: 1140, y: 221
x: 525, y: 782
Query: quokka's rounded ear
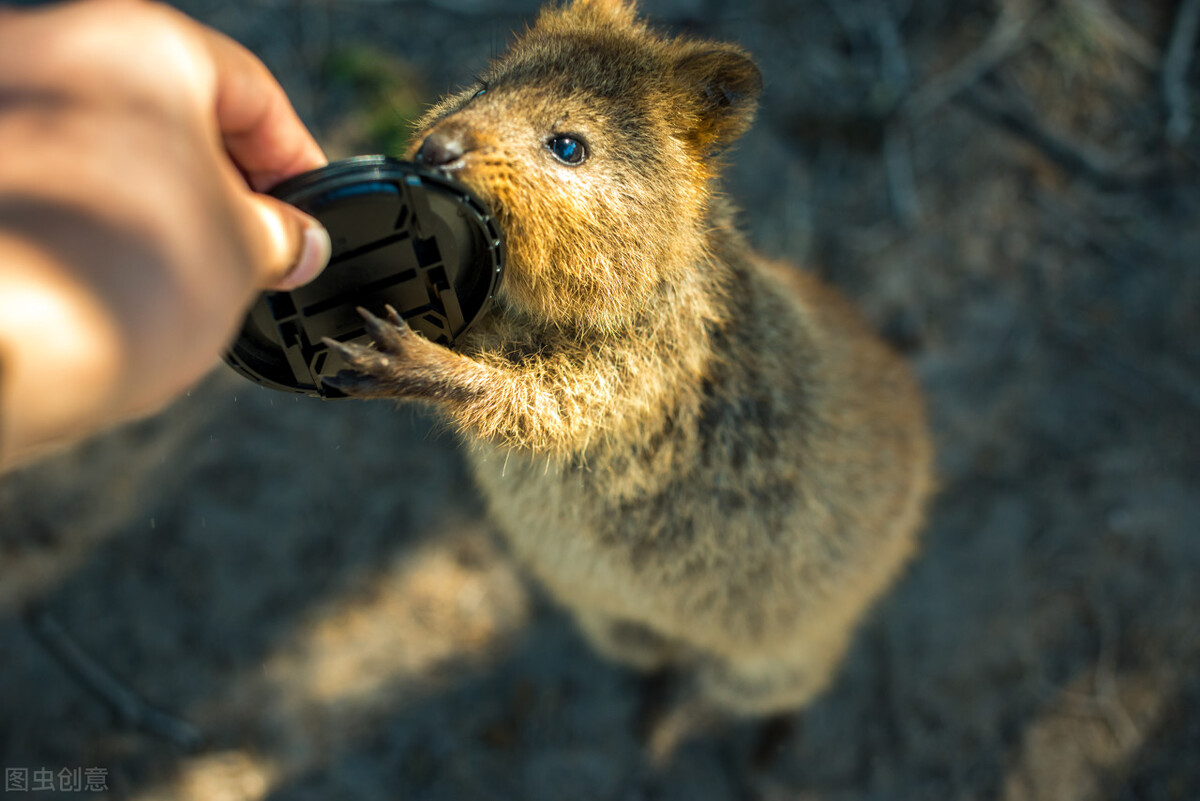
x: 721, y: 88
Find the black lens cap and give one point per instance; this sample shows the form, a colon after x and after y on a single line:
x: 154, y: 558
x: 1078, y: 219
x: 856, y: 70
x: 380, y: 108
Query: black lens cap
x: 403, y: 236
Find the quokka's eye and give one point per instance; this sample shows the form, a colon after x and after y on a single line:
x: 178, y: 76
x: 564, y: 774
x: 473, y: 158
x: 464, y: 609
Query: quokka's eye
x: 567, y: 148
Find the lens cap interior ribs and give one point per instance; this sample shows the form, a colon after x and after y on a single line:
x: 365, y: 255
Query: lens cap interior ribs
x: 403, y: 236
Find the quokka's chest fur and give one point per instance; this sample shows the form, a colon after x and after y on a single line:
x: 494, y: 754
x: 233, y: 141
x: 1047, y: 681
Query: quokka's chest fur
x: 744, y: 499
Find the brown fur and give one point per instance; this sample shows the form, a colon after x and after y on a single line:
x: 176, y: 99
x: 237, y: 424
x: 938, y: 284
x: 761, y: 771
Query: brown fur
x: 708, y: 458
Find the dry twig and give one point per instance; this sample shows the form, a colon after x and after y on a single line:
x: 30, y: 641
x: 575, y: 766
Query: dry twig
x: 893, y: 57
x: 1101, y: 23
x: 1076, y: 158
x: 130, y: 709
x: 902, y: 182
x: 1175, y: 69
x: 897, y: 151
x: 1009, y: 34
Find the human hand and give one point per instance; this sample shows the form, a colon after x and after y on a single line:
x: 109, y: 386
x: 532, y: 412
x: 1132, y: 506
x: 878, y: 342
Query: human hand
x: 135, y: 142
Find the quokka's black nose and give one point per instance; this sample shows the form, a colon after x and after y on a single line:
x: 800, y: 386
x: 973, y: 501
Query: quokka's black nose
x: 440, y: 148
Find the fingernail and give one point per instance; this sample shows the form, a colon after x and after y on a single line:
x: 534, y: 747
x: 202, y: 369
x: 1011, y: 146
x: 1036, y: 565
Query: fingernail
x: 313, y: 258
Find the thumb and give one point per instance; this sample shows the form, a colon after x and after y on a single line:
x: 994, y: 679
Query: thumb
x: 290, y: 247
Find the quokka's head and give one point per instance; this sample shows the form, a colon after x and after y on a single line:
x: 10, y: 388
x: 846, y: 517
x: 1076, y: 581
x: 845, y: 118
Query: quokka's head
x: 596, y: 142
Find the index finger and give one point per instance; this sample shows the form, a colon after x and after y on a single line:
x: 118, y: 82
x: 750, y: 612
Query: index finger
x: 262, y: 132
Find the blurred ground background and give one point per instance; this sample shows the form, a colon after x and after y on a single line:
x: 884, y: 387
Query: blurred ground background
x: 1008, y: 188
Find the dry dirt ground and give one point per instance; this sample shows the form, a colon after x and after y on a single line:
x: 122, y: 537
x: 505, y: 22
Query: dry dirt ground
x: 1008, y: 188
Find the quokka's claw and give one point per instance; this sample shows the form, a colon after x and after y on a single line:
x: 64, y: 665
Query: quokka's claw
x: 389, y: 336
x: 349, y: 381
x: 353, y: 353
x: 369, y: 372
x: 385, y: 367
x: 363, y: 359
x: 394, y: 317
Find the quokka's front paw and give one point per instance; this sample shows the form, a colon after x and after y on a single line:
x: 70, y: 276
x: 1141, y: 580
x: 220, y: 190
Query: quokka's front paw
x: 398, y: 364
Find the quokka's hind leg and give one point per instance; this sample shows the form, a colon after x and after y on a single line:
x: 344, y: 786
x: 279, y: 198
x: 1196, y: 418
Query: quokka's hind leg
x: 725, y: 689
x: 637, y: 646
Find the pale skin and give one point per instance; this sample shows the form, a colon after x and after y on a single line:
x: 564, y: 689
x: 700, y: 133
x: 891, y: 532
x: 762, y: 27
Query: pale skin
x: 134, y: 147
